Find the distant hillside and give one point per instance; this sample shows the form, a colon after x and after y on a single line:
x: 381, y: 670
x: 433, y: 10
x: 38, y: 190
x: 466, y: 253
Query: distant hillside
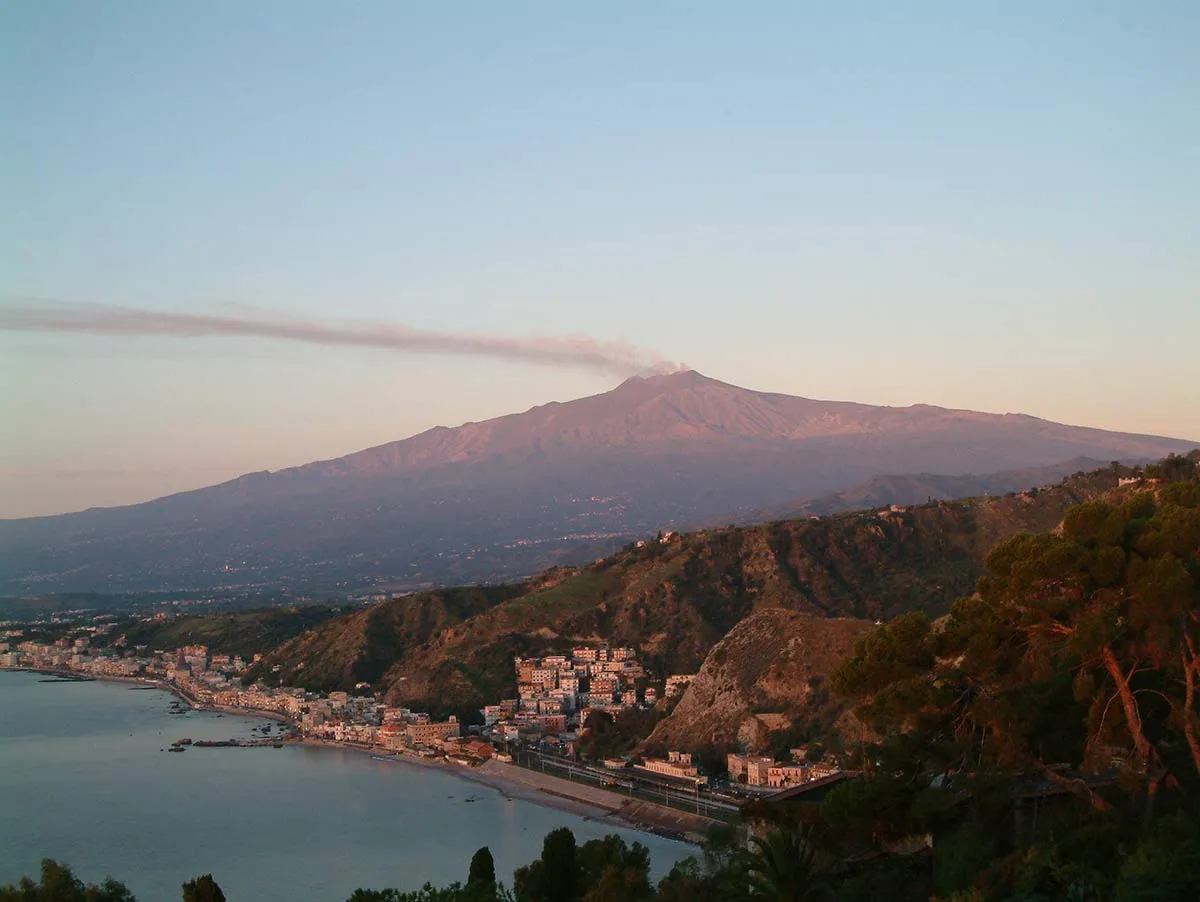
x: 362, y: 646
x: 244, y: 633
x: 908, y: 489
x: 507, y: 497
x: 31, y: 607
x: 672, y: 600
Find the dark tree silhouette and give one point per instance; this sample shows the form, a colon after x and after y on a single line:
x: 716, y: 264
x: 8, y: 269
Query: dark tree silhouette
x: 59, y: 884
x: 555, y: 876
x: 482, y: 876
x: 202, y: 889
x: 779, y: 866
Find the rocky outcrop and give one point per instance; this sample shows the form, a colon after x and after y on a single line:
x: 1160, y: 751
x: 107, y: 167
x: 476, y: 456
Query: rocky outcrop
x: 765, y: 673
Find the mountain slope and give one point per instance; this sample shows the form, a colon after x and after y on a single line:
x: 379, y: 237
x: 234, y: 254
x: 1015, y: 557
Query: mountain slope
x: 918, y: 488
x: 675, y: 600
x: 506, y: 497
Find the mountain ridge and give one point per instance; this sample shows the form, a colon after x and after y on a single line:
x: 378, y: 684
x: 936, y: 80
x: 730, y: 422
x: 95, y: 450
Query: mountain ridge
x: 502, y: 498
x: 475, y: 437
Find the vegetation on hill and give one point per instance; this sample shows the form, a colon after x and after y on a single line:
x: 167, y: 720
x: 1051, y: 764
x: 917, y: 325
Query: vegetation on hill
x: 244, y: 633
x: 919, y: 488
x: 1081, y: 646
x: 451, y: 650
x: 360, y: 647
x: 1043, y: 741
x: 77, y: 605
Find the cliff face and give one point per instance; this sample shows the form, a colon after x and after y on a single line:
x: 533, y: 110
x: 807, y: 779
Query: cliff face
x: 761, y: 676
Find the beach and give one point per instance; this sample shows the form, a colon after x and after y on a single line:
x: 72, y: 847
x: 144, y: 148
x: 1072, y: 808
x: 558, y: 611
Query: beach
x: 589, y: 802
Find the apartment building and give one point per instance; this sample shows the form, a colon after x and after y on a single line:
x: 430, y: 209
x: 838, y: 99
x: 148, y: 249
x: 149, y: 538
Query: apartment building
x: 755, y: 768
x: 430, y: 733
x: 677, y: 765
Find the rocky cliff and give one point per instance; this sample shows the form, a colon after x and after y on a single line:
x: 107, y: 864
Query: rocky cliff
x: 765, y: 674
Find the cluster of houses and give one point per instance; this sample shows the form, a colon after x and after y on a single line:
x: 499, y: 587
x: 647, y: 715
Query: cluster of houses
x: 556, y: 693
x: 763, y: 770
x: 214, y: 680
x: 596, y: 677
x: 78, y: 655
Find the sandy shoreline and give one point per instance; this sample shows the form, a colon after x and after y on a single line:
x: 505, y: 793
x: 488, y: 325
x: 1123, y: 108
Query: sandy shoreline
x: 583, y: 801
x: 510, y: 789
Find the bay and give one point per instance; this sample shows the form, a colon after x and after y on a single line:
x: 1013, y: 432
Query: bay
x: 84, y: 779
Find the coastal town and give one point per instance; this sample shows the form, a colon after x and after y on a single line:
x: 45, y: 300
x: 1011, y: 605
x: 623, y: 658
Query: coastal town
x: 539, y: 727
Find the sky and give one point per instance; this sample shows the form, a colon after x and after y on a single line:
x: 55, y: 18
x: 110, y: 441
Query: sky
x: 987, y: 205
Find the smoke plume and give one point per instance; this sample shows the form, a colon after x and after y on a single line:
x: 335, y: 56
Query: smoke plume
x: 618, y: 357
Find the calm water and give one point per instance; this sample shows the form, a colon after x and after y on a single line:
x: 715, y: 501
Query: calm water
x: 83, y: 780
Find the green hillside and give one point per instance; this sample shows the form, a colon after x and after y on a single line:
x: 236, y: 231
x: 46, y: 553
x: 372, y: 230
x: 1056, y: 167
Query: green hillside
x: 451, y: 650
x: 244, y: 633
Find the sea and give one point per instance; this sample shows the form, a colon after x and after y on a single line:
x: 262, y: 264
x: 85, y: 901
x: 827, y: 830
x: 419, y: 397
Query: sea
x: 85, y: 779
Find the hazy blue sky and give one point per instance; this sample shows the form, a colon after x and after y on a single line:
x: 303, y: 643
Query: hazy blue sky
x: 984, y: 205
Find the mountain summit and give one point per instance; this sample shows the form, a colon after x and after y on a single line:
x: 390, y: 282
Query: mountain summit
x: 676, y: 409
x: 503, y: 497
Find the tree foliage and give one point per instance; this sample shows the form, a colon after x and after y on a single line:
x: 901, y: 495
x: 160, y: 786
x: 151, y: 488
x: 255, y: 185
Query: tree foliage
x: 1081, y: 647
x: 482, y: 874
x: 606, y: 736
x: 780, y: 866
x: 202, y: 889
x: 58, y: 883
x: 1040, y: 742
